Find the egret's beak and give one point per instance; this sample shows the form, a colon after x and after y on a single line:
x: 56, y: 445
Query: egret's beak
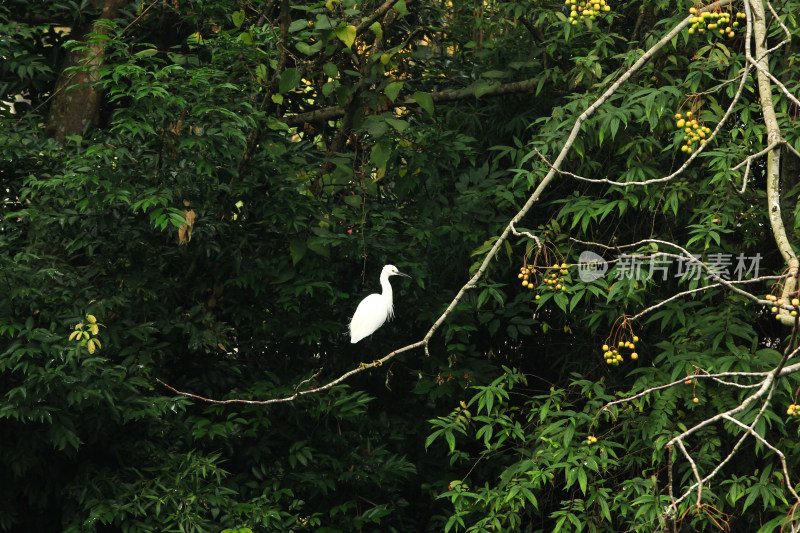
x: 398, y: 273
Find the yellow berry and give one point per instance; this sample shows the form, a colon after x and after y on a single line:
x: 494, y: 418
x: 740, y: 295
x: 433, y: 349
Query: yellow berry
x: 680, y: 123
x: 635, y: 338
x: 696, y: 399
x: 634, y: 356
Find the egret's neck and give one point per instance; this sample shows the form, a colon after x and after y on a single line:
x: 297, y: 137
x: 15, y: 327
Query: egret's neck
x: 387, y: 294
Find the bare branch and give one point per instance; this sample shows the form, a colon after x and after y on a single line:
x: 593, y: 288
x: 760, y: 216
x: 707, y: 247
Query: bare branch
x: 682, y: 381
x: 748, y: 161
x: 743, y: 78
x: 754, y: 10
x: 685, y: 254
x: 765, y: 442
x: 526, y: 234
x: 699, y: 483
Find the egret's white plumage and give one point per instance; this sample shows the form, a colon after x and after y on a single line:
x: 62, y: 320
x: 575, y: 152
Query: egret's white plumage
x: 375, y: 309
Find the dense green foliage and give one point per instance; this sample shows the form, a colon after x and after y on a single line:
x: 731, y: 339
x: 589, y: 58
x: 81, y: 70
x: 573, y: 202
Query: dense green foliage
x: 419, y: 156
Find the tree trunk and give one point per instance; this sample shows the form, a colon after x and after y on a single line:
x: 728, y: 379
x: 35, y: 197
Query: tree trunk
x: 76, y: 100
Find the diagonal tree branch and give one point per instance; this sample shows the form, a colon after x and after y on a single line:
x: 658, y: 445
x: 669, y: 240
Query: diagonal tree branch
x: 532, y: 199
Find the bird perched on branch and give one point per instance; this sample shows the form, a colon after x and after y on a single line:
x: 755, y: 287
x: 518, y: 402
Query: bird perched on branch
x: 375, y: 309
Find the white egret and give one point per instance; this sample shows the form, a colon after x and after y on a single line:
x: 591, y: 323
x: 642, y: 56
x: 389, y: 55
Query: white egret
x: 375, y: 309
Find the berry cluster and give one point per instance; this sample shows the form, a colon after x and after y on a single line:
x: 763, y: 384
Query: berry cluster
x: 716, y: 22
x: 581, y: 10
x: 793, y: 410
x: 612, y: 354
x: 591, y: 439
x: 553, y: 280
x: 527, y: 274
x: 779, y: 302
x: 693, y: 131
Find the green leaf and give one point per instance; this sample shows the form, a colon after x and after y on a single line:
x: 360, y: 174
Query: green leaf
x: 318, y: 248
x: 238, y: 18
x: 380, y: 153
x: 347, y: 35
x: 399, y: 125
x: 393, y: 89
x: 324, y: 22
x: 146, y: 53
x: 330, y: 69
x: 400, y: 7
x: 329, y: 87
x: 261, y: 72
x: 308, y: 49
x: 451, y: 440
x: 425, y: 101
x: 481, y: 87
x: 376, y: 28
x: 354, y: 200
x: 376, y: 126
x: 298, y: 248
x: 297, y: 25
x: 289, y: 80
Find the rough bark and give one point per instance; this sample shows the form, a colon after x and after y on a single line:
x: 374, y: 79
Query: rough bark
x: 76, y: 100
